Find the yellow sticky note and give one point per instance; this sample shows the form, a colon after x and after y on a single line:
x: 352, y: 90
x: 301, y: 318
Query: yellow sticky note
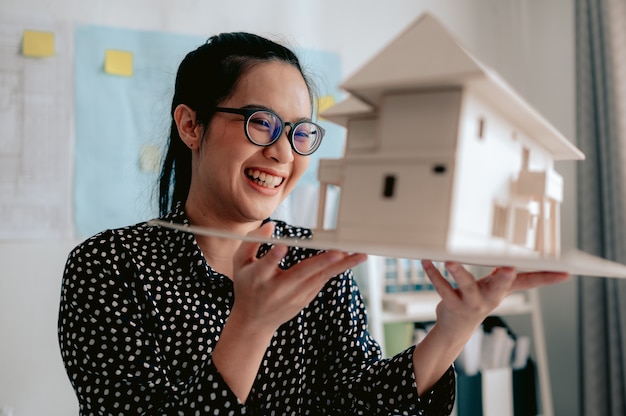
x: 325, y: 102
x: 118, y: 62
x: 38, y: 44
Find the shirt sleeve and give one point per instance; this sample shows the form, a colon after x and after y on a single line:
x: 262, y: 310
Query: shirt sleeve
x: 360, y: 381
x: 114, y: 363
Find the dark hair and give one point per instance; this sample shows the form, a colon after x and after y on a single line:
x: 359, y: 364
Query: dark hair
x: 206, y: 77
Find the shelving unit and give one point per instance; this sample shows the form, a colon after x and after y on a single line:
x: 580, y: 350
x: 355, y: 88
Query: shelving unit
x: 419, y: 306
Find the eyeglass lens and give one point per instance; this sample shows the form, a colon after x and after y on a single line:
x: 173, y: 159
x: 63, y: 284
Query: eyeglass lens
x: 265, y: 127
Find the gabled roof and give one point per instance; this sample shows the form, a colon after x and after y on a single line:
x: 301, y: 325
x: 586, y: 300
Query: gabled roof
x: 427, y: 55
x: 423, y: 54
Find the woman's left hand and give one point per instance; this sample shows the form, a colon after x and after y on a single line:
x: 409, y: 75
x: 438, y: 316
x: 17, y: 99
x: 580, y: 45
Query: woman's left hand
x: 463, y: 308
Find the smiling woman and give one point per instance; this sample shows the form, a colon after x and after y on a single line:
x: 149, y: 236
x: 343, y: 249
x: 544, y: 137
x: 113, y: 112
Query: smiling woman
x: 155, y: 320
x: 195, y: 324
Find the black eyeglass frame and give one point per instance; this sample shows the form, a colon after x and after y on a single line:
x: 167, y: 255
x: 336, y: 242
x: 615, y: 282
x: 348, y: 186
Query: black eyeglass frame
x: 247, y: 113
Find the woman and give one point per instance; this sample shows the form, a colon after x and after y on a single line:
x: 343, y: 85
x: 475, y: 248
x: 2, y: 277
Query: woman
x: 157, y: 321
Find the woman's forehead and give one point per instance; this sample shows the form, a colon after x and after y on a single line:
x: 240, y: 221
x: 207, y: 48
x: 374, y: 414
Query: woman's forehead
x: 274, y: 84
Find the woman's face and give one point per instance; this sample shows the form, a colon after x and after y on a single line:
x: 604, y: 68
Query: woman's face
x: 234, y: 180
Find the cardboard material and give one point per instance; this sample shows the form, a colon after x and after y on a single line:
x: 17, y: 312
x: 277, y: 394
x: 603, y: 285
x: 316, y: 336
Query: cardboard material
x: 441, y: 154
x: 575, y: 262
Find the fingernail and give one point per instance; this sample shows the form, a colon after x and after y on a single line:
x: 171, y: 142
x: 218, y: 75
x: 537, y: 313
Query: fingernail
x: 335, y: 256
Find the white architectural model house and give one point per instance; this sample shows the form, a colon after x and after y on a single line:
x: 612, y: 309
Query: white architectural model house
x: 442, y: 154
x: 443, y: 161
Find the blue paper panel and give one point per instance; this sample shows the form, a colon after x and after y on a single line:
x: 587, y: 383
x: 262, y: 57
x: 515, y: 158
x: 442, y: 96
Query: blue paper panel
x: 117, y: 116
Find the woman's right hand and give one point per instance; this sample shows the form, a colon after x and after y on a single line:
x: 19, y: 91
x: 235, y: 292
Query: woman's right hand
x: 267, y: 296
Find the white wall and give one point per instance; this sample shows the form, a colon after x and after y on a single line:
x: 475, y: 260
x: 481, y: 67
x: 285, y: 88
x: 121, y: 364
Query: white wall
x: 530, y: 43
x: 32, y: 377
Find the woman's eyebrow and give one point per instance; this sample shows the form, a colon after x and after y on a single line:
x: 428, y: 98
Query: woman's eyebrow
x: 256, y: 107
x: 266, y: 108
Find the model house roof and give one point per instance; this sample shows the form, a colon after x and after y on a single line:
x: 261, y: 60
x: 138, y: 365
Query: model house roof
x: 426, y: 55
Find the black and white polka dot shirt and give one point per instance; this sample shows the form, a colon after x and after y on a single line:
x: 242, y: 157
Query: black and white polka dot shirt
x: 141, y: 312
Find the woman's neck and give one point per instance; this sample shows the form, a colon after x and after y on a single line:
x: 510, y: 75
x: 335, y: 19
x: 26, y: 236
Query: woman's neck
x: 219, y: 251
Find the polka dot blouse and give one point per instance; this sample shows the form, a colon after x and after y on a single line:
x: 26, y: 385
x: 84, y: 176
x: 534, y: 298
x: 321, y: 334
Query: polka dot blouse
x: 141, y: 312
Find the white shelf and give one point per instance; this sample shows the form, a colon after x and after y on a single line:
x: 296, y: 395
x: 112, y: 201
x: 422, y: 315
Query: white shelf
x: 420, y: 306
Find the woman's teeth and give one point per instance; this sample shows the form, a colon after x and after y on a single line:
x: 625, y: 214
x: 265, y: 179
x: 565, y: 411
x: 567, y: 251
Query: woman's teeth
x: 264, y: 179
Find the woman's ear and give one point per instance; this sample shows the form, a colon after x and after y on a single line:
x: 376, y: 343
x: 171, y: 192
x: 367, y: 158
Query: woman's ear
x: 189, y: 130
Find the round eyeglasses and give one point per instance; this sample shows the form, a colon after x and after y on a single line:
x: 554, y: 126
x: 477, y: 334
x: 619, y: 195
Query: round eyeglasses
x: 264, y: 128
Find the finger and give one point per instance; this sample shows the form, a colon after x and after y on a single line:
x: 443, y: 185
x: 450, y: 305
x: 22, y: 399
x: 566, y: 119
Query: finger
x: 305, y: 279
x: 326, y: 265
x: 348, y: 261
x: 530, y: 280
x: 273, y: 257
x: 441, y: 284
x: 335, y: 264
x: 329, y: 263
x: 465, y: 280
x: 498, y: 284
x: 246, y: 253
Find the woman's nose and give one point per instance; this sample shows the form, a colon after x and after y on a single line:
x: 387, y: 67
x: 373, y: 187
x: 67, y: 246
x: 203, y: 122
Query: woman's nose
x: 281, y: 149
